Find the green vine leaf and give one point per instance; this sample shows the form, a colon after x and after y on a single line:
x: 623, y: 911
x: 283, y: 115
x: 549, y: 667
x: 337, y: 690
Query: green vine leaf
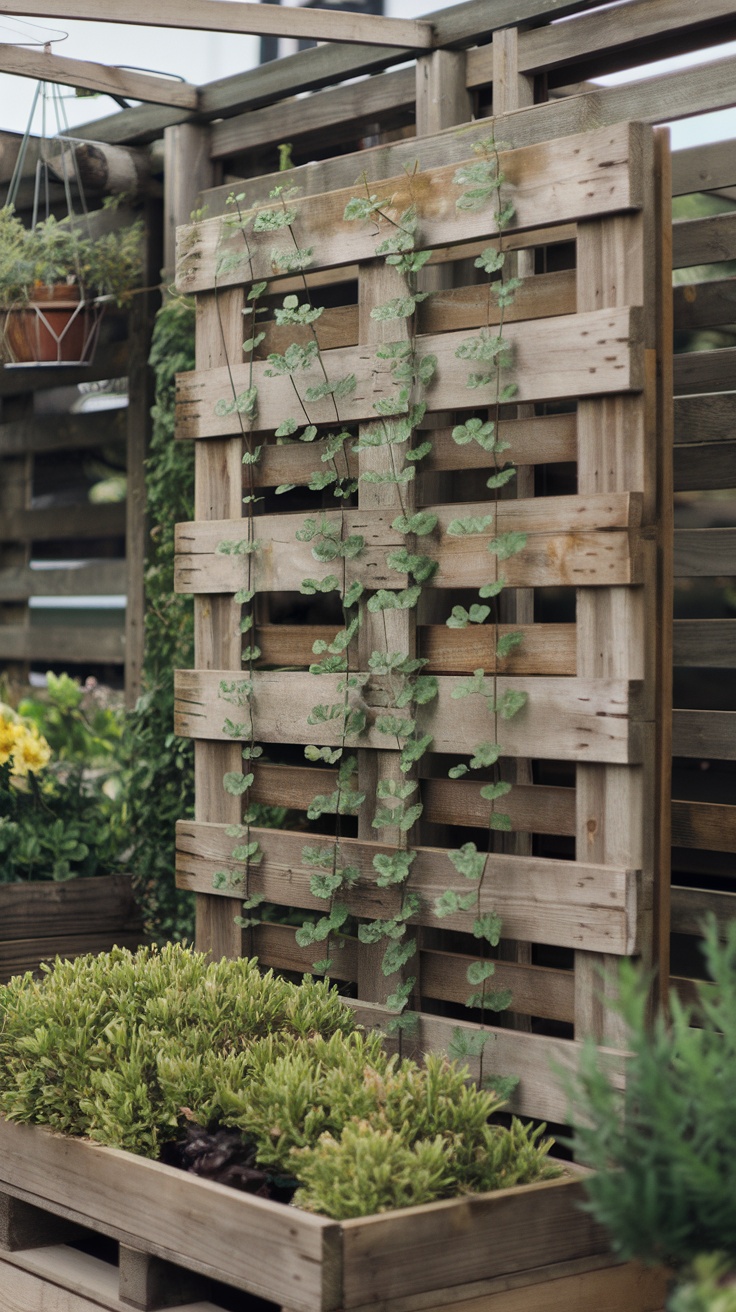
x: 236, y: 783
x: 385, y: 600
x: 490, y: 260
x: 492, y: 999
x: 479, y: 971
x: 424, y: 522
x: 507, y: 642
x: 393, y: 869
x: 488, y: 927
x: 507, y: 544
x: 397, y: 955
x: 500, y: 479
x: 460, y: 528
x: 468, y: 861
x: 467, y: 1043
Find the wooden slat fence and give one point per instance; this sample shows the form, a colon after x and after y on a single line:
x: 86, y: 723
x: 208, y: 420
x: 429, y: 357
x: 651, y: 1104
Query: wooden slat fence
x: 588, y: 345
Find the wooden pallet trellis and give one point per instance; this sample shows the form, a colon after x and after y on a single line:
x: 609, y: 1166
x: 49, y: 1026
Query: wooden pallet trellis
x: 591, y: 337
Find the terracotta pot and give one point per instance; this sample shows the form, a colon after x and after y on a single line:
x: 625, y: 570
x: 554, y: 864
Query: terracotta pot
x: 54, y: 328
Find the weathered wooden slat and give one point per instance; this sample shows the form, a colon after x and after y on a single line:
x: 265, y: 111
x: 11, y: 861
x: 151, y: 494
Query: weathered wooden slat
x: 537, y: 990
x: 545, y: 649
x: 704, y: 304
x: 104, y: 903
x: 569, y: 539
x: 703, y: 241
x: 192, y: 1222
x: 704, y: 552
x: 708, y: 825
x: 62, y: 432
x: 709, y: 465
x: 690, y: 907
x: 591, y: 36
x: 64, y: 522
x: 564, y: 719
x: 539, y: 440
x: 448, y: 310
x: 214, y: 16
x: 538, y: 808
x: 101, y: 78
x: 705, y: 419
x: 705, y: 371
x: 332, y: 114
x: 574, y: 355
x: 707, y: 734
x: 709, y: 643
x: 703, y: 168
x: 365, y: 1282
x: 100, y: 578
x: 599, y: 176
x: 99, y: 643
x: 538, y: 899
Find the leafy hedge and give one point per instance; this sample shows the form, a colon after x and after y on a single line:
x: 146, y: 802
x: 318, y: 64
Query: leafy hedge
x: 126, y: 1048
x: 160, y: 783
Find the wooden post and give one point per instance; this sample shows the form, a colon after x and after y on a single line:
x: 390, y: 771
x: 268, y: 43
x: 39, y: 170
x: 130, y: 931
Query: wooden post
x: 392, y: 630
x: 512, y: 90
x: 149, y: 1283
x: 616, y: 452
x: 187, y: 173
x: 218, y: 494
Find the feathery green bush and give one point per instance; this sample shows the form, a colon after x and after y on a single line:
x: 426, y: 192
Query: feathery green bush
x: 125, y: 1048
x: 664, y: 1151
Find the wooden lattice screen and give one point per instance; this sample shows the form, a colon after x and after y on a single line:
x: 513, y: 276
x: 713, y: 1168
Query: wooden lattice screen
x: 578, y: 881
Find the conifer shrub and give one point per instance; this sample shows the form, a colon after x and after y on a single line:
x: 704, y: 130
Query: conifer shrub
x: 664, y: 1149
x: 129, y: 1049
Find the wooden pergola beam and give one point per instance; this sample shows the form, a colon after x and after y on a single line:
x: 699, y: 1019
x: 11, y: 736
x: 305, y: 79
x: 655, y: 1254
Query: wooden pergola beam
x: 228, y: 16
x: 48, y: 67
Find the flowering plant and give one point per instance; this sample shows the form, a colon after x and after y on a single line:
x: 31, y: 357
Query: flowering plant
x: 23, y: 750
x: 61, y: 809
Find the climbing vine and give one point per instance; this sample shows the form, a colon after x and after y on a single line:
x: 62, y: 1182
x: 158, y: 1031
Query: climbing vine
x: 397, y: 431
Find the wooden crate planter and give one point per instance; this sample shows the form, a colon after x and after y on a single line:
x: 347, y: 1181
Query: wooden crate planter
x: 39, y: 921
x: 496, y: 1250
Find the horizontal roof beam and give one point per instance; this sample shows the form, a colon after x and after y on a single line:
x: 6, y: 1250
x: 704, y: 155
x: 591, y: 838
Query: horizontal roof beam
x: 47, y: 67
x: 235, y: 16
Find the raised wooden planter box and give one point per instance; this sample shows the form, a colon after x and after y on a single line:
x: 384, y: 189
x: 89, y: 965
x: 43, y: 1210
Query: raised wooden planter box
x: 39, y: 921
x: 485, y: 1251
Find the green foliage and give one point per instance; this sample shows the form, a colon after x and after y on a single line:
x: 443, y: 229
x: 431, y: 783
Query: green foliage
x: 62, y: 810
x: 664, y: 1149
x: 58, y: 252
x: 710, y: 1288
x: 115, y: 1047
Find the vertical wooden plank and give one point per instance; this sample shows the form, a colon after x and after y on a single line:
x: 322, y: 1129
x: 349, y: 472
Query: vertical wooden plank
x: 665, y: 560
x: 616, y: 452
x: 16, y: 481
x: 393, y: 630
x: 442, y: 95
x: 188, y: 171
x: 218, y: 494
x: 511, y: 91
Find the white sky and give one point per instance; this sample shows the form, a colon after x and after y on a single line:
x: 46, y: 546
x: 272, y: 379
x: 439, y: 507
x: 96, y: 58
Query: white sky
x: 202, y: 57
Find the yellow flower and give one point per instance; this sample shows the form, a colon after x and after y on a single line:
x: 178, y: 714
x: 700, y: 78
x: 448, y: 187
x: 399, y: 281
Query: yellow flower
x: 22, y: 745
x: 31, y: 753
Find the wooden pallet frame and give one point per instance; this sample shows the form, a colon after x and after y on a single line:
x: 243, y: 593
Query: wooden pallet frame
x: 594, y: 334
x: 542, y: 1246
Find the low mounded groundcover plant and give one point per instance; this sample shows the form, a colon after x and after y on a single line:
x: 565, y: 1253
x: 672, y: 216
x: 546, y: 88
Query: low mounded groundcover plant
x: 252, y: 1080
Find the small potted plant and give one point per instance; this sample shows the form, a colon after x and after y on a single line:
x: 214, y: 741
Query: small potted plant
x: 664, y: 1150
x: 54, y: 283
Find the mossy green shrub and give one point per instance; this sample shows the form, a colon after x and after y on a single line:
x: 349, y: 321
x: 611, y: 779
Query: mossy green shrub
x: 712, y: 1288
x: 664, y: 1151
x: 123, y: 1048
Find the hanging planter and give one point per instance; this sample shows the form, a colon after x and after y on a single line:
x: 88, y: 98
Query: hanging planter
x: 56, y: 327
